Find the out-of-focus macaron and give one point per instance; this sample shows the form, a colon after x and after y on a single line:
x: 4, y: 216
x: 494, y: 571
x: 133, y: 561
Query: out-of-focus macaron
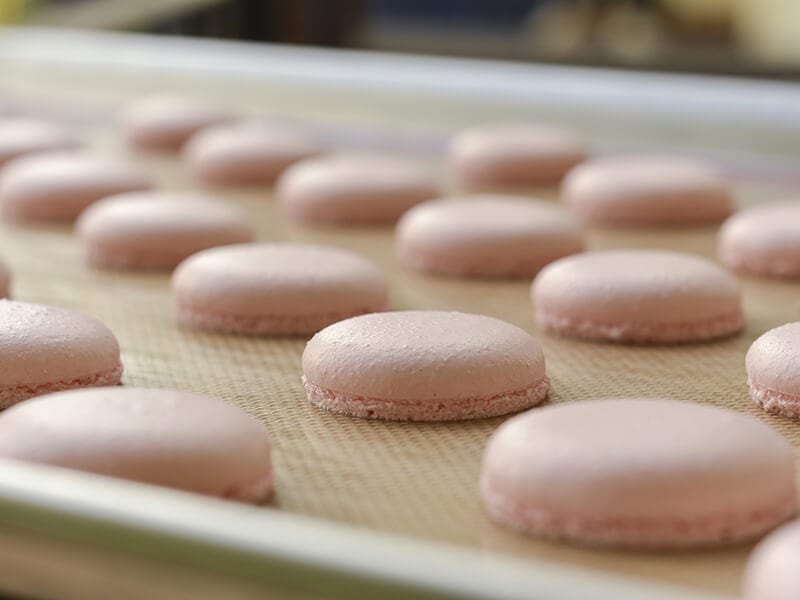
x: 176, y: 439
x: 647, y: 191
x: 275, y: 289
x: 58, y: 186
x: 21, y: 136
x: 158, y: 229
x: 513, y: 154
x: 772, y: 572
x: 637, y: 296
x: 164, y: 122
x: 639, y: 472
x: 486, y: 236
x: 355, y: 189
x: 763, y: 240
x: 248, y: 153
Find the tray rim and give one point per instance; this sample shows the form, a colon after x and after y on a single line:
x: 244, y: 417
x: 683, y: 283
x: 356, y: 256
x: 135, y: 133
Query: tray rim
x: 302, y: 553
x: 772, y: 106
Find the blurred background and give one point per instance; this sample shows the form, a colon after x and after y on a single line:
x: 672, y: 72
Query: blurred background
x: 759, y: 38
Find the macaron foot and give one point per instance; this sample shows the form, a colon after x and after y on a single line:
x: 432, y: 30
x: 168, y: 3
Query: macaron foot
x: 775, y: 402
x: 642, y: 333
x: 632, y: 532
x: 286, y: 325
x: 418, y: 410
x: 14, y: 394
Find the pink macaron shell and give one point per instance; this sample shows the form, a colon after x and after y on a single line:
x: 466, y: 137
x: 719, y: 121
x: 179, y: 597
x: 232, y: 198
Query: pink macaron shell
x: 424, y: 366
x: 647, y: 190
x: 772, y: 572
x: 47, y: 349
x: 248, y: 153
x: 21, y: 136
x: 158, y: 229
x: 57, y: 186
x: 639, y: 473
x: 763, y: 240
x: 164, y: 122
x: 354, y: 189
x: 486, y: 236
x: 513, y: 154
x: 163, y: 437
x: 773, y: 370
x: 275, y: 289
x: 639, y: 296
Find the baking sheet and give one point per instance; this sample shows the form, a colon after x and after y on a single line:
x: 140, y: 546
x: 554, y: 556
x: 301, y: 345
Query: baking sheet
x: 418, y: 480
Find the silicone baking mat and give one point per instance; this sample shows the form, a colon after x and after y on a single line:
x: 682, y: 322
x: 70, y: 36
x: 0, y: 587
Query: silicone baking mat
x: 413, y: 479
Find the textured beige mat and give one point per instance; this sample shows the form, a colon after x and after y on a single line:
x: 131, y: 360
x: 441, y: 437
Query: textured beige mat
x: 413, y: 479
x: 416, y: 479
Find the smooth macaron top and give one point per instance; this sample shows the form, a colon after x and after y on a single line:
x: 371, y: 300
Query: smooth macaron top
x: 506, y: 233
x: 20, y: 136
x: 278, y: 279
x: 763, y: 239
x: 164, y: 122
x: 773, y: 360
x: 630, y: 286
x: 248, y: 152
x: 772, y: 572
x: 647, y: 190
x: 355, y: 188
x: 160, y: 225
x: 164, y: 437
x: 514, y: 154
x: 423, y: 355
x: 645, y: 460
x: 59, y: 185
x: 45, y: 344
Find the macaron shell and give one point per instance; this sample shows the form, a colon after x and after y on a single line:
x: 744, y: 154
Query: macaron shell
x: 354, y: 189
x: 247, y: 153
x: 637, y: 295
x: 158, y: 229
x: 687, y: 474
x: 162, y: 437
x: 45, y: 348
x: 423, y: 356
x: 763, y: 240
x: 290, y: 286
x: 20, y: 136
x: 772, y: 572
x: 647, y: 190
x: 485, y: 236
x: 57, y: 186
x: 510, y: 154
x: 164, y: 122
x: 773, y: 370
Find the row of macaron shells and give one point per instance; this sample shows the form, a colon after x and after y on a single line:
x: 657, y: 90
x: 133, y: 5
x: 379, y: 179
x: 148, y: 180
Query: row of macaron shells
x: 485, y: 235
x: 717, y: 199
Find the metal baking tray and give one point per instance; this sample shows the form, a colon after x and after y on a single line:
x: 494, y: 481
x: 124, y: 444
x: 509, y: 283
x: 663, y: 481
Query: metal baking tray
x: 364, y: 509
